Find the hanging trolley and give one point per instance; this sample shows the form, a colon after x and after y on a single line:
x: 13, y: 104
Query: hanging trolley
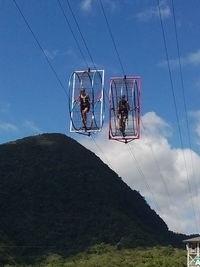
x: 124, y: 97
x: 86, y: 101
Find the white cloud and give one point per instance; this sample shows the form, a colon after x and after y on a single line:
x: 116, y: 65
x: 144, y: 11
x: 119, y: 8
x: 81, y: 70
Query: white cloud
x: 153, y: 12
x: 161, y: 173
x: 31, y: 126
x: 6, y: 126
x: 192, y: 58
x: 86, y: 5
x: 51, y: 54
x: 196, y: 116
x: 155, y: 125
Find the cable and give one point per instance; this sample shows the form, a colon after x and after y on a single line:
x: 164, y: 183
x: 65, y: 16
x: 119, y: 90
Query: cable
x: 98, y: 147
x: 112, y: 37
x: 71, y: 30
x: 83, y: 38
x: 40, y: 46
x: 144, y: 178
x: 175, y: 105
x: 78, y: 27
x: 183, y: 93
x: 138, y: 168
x: 159, y: 170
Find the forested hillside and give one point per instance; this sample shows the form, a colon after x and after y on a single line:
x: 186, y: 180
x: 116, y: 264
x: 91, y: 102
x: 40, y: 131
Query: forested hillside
x: 58, y: 197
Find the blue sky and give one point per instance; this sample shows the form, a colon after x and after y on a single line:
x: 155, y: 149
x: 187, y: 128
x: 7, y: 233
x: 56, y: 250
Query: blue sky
x: 32, y: 100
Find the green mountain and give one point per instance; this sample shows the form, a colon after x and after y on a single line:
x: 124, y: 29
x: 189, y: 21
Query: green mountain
x: 58, y: 197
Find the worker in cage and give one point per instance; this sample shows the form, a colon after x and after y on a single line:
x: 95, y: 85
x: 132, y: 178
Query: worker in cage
x: 84, y: 101
x: 122, y: 114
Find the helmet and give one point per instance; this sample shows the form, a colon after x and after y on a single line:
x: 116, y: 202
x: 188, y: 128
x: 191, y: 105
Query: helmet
x: 123, y: 96
x: 82, y: 90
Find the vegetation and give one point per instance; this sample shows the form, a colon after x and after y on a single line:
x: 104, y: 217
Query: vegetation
x: 57, y: 197
x: 108, y: 256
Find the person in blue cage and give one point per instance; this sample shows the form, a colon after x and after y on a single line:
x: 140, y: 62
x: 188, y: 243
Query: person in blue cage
x: 84, y: 101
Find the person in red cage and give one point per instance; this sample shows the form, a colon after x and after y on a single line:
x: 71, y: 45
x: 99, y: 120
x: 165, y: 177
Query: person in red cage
x: 122, y: 114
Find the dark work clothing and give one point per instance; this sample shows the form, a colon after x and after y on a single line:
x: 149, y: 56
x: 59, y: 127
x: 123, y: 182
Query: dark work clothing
x: 84, y: 101
x: 123, y: 107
